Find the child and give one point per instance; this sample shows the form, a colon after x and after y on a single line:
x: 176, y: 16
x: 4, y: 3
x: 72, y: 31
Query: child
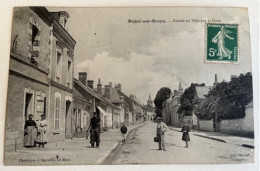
x: 123, y: 131
x: 185, y: 136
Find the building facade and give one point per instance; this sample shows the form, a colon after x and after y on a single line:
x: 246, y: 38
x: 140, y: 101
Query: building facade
x: 170, y: 108
x: 34, y: 37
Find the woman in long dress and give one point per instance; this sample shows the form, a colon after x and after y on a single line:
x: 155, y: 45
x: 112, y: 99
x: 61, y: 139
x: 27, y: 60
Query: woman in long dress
x: 220, y: 40
x: 41, y: 134
x: 30, y: 131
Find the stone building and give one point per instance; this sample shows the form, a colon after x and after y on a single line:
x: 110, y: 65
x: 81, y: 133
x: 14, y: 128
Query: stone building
x: 170, y: 108
x: 61, y: 78
x: 83, y: 106
x: 38, y: 83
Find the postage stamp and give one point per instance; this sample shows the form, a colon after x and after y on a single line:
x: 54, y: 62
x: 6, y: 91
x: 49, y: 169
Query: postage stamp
x: 222, y: 43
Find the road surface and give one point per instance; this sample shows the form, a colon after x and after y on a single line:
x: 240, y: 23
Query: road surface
x: 140, y: 149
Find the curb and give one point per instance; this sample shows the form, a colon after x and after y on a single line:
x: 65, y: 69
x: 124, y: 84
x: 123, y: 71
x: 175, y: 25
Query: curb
x: 103, y: 159
x: 212, y: 138
x: 248, y: 146
x: 174, y: 129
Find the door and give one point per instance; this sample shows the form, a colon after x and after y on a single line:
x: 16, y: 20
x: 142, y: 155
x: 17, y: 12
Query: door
x: 28, y: 105
x: 67, y: 120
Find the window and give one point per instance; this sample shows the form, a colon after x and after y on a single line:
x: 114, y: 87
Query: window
x: 34, y: 41
x: 59, y: 67
x: 69, y: 74
x: 40, y: 106
x: 57, y: 114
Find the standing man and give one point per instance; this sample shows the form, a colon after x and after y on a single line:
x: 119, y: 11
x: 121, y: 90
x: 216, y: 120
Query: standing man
x: 95, y: 130
x: 160, y: 130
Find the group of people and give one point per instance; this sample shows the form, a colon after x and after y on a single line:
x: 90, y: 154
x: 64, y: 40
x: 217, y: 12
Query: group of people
x: 35, y: 133
x: 162, y: 128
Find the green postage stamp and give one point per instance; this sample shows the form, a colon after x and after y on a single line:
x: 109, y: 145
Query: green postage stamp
x: 222, y: 43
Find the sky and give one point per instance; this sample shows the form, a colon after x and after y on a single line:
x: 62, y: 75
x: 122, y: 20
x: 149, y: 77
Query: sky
x: 145, y: 57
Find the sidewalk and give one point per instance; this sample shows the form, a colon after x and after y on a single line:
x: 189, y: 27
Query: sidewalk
x: 75, y: 151
x: 225, y: 138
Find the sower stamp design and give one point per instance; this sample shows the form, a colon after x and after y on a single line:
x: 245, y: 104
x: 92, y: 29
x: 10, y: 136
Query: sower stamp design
x: 222, y: 43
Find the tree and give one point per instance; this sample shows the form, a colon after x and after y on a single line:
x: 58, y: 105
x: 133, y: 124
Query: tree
x: 233, y: 96
x: 227, y: 99
x: 161, y: 96
x: 187, y: 99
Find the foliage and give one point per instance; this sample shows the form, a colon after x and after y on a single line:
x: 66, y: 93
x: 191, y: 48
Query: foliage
x: 227, y: 99
x: 161, y: 96
x: 187, y: 99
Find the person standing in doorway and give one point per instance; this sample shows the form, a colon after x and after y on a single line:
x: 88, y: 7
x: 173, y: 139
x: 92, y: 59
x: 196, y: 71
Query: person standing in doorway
x: 160, y: 132
x: 185, y: 136
x: 41, y: 134
x: 95, y: 130
x: 123, y: 130
x: 30, y: 131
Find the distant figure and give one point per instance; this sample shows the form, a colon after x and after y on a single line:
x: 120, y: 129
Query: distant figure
x: 95, y: 130
x: 220, y: 40
x: 30, y: 131
x: 123, y: 132
x: 160, y: 130
x: 185, y: 136
x: 41, y: 134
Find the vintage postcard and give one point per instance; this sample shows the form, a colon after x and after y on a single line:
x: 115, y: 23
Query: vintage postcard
x: 129, y: 85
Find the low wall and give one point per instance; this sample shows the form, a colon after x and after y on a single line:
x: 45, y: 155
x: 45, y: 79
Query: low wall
x: 206, y: 125
x: 244, y: 126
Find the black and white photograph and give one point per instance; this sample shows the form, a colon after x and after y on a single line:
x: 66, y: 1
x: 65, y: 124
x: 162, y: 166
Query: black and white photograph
x: 129, y: 86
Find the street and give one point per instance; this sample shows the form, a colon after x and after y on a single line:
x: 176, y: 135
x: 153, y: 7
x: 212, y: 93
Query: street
x: 140, y: 149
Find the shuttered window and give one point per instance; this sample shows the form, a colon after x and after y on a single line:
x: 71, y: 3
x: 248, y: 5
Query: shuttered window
x: 57, y: 114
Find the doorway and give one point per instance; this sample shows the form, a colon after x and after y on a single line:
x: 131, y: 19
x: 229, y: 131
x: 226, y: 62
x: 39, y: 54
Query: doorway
x: 28, y: 106
x: 67, y: 120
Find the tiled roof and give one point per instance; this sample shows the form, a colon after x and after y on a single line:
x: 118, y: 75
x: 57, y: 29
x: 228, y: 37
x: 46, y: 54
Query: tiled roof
x: 114, y: 96
x: 127, y: 99
x: 201, y: 91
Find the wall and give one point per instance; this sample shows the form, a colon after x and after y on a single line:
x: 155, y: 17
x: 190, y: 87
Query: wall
x: 206, y: 125
x: 23, y: 75
x: 15, y: 109
x: 20, y: 27
x: 65, y: 120
x: 244, y: 126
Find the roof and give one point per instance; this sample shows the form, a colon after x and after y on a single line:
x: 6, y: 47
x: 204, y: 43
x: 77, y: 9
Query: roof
x: 78, y: 96
x: 87, y: 89
x: 250, y: 104
x: 94, y: 94
x: 201, y: 91
x: 114, y: 96
x: 127, y: 99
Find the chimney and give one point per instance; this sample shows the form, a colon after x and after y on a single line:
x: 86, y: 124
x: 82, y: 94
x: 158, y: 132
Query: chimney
x: 180, y: 89
x: 90, y: 83
x: 107, y: 91
x: 110, y: 84
x: 121, y: 98
x: 216, y: 80
x: 132, y: 96
x: 83, y: 77
x: 62, y: 17
x: 175, y: 93
x: 99, y: 87
x: 119, y: 87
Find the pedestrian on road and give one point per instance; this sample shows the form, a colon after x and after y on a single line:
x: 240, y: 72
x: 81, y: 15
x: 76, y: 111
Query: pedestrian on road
x: 123, y: 130
x: 95, y: 130
x: 185, y: 136
x: 30, y: 131
x: 160, y: 131
x: 41, y: 134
